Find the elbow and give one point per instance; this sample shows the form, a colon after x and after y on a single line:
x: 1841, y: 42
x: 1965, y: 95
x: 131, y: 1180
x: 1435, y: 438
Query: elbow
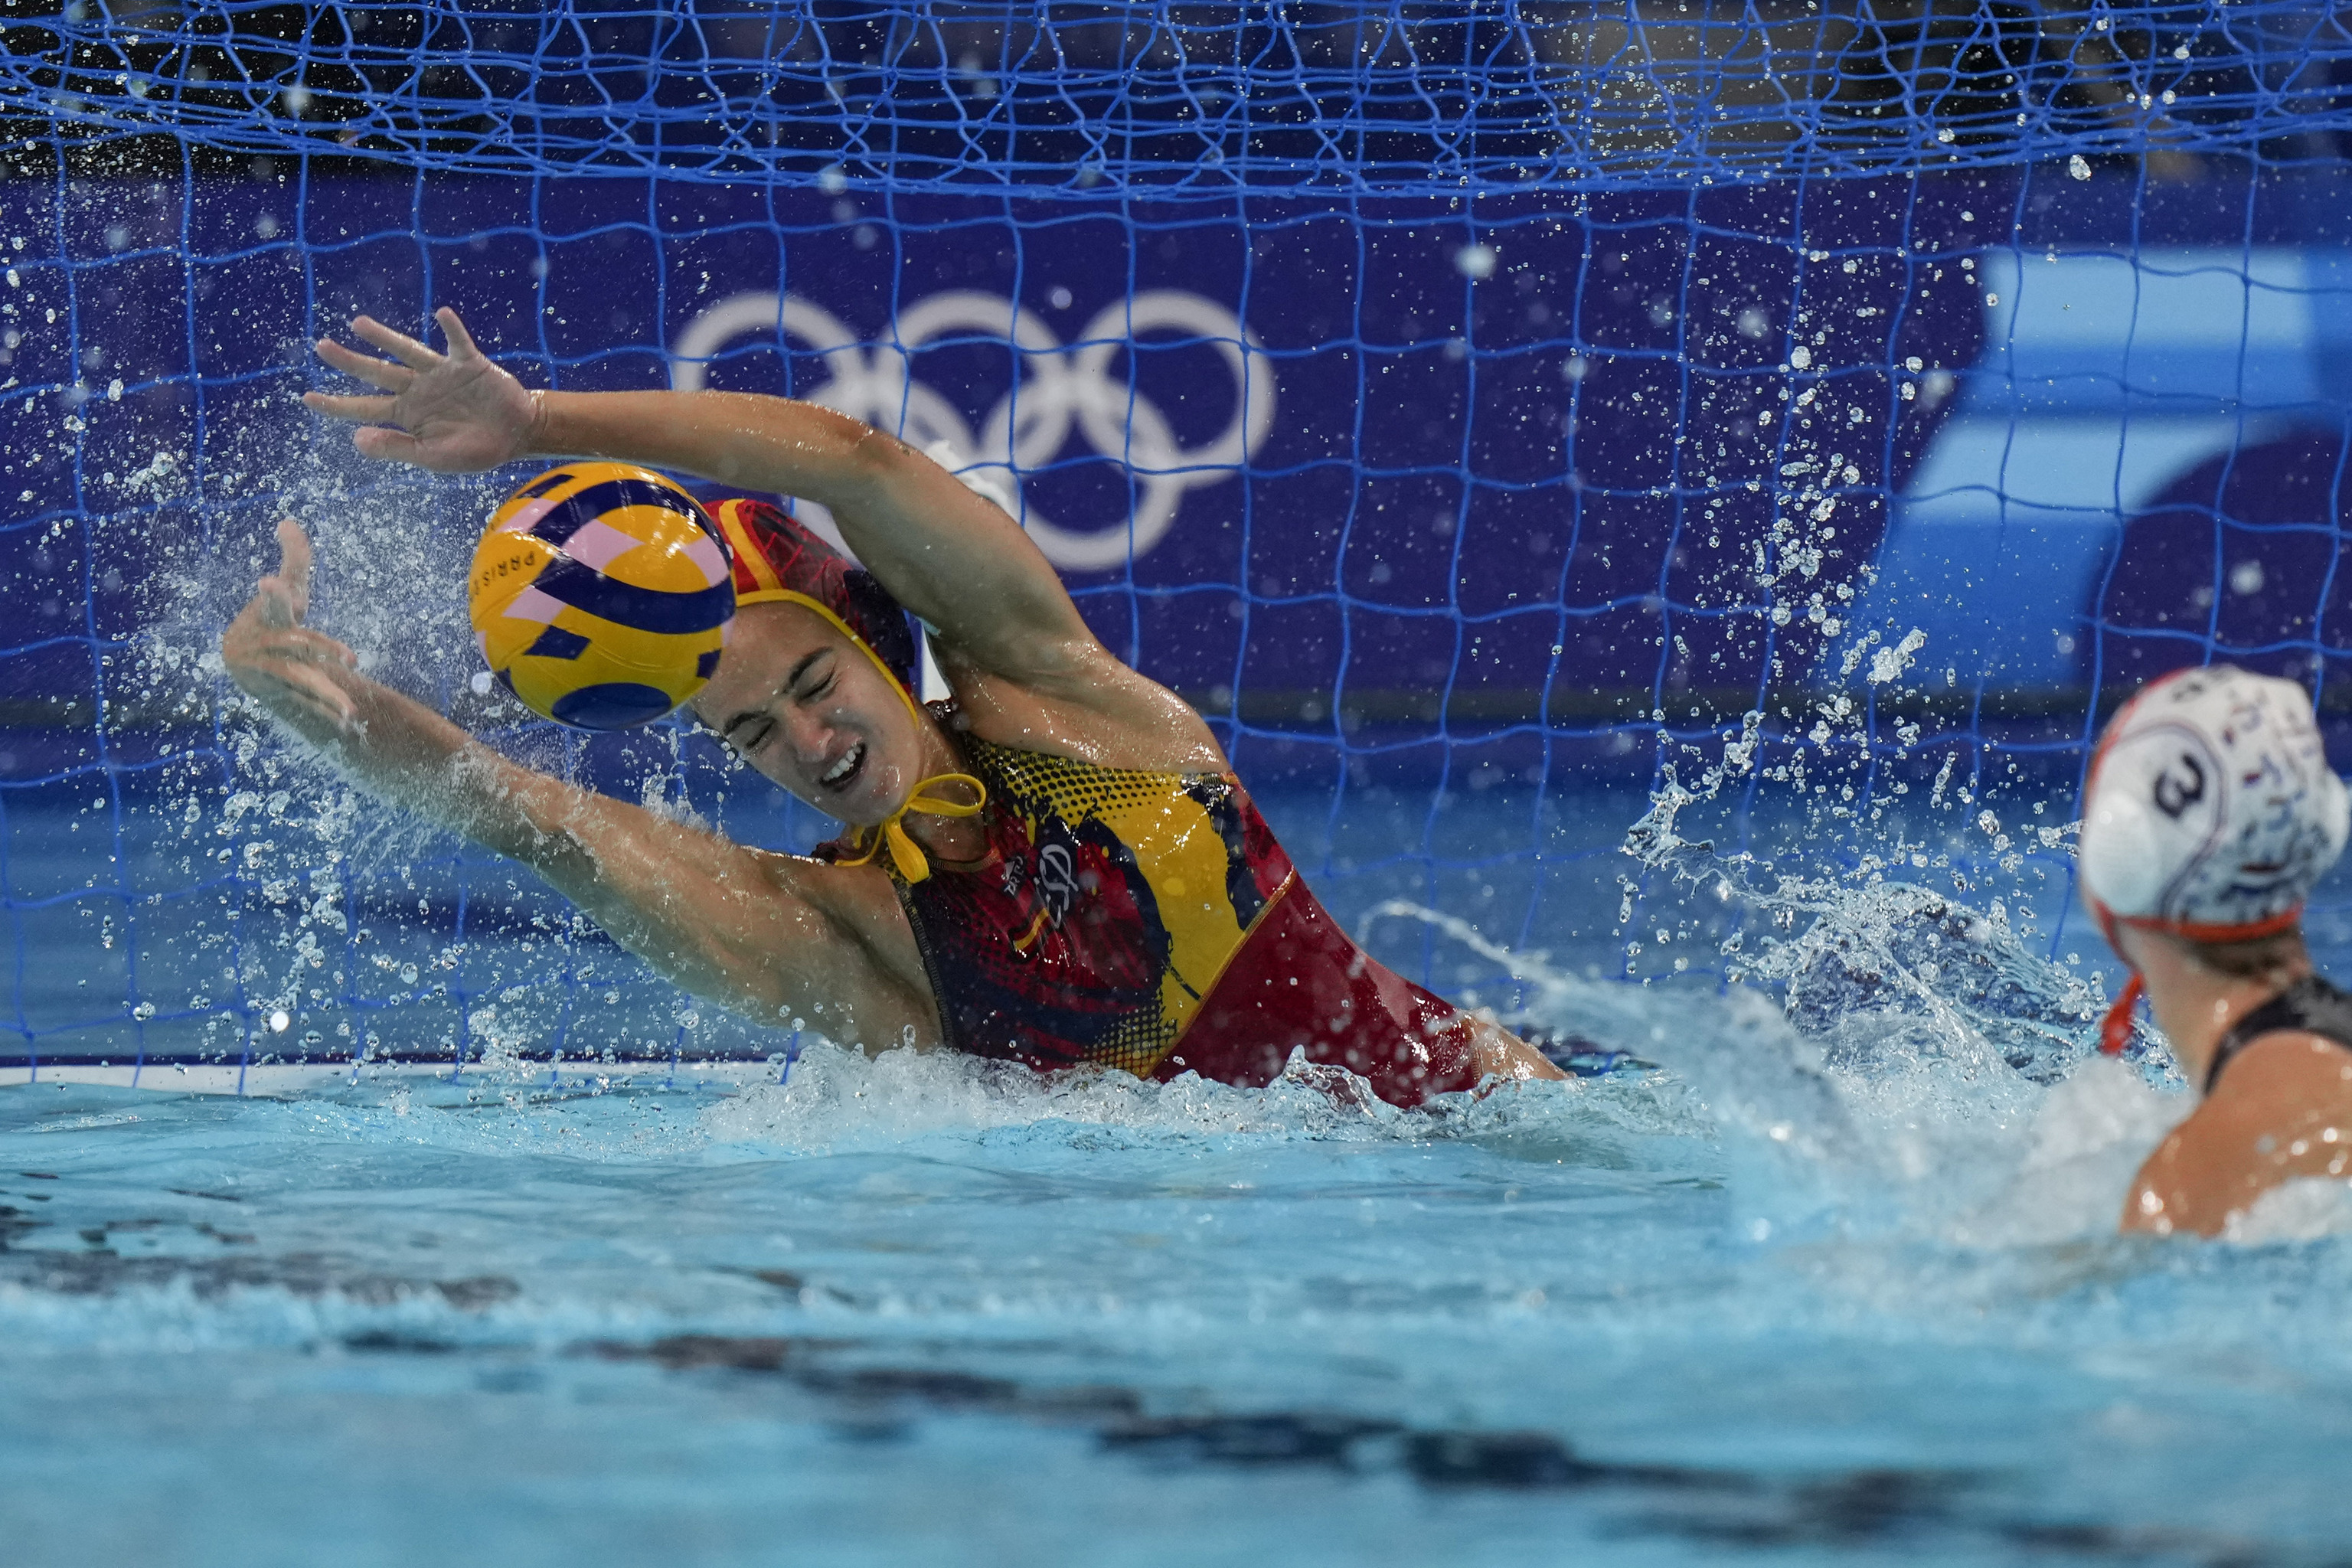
x: 877, y: 462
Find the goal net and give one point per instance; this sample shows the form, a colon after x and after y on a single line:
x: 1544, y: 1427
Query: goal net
x: 1788, y: 427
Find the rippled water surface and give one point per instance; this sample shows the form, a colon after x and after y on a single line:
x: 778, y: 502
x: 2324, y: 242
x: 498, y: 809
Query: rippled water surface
x: 918, y: 1310
x: 1834, y: 1281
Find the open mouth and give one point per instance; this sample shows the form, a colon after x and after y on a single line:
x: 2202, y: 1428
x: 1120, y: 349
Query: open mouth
x: 844, y: 773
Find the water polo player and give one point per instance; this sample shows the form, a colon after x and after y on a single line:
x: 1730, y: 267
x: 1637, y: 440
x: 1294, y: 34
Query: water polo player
x: 1058, y: 866
x: 2210, y: 813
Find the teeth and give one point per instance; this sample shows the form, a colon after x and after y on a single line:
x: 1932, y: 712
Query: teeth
x: 840, y: 770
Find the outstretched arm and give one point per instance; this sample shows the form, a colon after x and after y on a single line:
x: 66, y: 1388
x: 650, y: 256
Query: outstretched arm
x: 949, y: 556
x: 748, y: 929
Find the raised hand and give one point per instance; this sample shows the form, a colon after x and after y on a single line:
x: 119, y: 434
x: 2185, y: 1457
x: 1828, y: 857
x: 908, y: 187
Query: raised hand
x: 272, y: 655
x: 455, y: 414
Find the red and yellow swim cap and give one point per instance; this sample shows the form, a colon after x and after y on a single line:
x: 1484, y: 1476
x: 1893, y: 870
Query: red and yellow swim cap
x: 776, y: 558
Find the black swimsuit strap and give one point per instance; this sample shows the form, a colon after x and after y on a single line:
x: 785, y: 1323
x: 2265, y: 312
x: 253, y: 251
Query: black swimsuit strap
x: 2310, y: 1005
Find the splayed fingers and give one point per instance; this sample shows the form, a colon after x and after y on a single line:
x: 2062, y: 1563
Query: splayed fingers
x: 412, y: 356
x: 399, y: 344
x: 452, y: 413
x: 387, y: 375
x: 384, y: 372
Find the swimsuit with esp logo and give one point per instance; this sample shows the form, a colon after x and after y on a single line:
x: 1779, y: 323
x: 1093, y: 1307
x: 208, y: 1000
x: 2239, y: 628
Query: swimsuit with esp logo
x: 1150, y: 921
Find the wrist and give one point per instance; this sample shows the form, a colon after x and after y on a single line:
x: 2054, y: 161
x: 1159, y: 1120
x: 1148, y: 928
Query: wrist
x: 535, y: 434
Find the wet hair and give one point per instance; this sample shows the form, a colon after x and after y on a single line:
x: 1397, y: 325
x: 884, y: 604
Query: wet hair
x: 2279, y: 955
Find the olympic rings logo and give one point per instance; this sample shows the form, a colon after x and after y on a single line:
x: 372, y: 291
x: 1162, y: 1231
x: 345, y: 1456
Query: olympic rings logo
x: 1063, y: 389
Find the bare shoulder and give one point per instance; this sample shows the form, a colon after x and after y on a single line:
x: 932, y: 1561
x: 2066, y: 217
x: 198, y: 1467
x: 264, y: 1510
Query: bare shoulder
x: 1097, y: 711
x: 2288, y: 1068
x: 863, y: 946
x: 2288, y: 1098
x: 858, y: 901
x: 2282, y: 1111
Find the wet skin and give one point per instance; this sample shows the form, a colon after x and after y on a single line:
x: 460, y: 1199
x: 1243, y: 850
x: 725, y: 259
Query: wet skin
x: 2282, y: 1110
x: 769, y: 935
x: 796, y: 700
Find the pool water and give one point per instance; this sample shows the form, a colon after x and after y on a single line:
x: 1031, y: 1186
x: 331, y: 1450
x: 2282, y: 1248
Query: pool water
x: 1833, y: 1282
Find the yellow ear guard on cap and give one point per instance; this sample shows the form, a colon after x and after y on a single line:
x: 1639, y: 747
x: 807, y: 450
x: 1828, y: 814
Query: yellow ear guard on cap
x: 906, y: 854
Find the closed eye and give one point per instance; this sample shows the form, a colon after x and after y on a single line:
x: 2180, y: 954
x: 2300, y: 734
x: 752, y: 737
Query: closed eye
x: 820, y: 667
x: 747, y: 733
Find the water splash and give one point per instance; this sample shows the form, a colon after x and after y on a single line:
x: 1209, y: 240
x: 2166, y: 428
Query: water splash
x: 1867, y: 948
x: 836, y: 1099
x: 1898, y: 1064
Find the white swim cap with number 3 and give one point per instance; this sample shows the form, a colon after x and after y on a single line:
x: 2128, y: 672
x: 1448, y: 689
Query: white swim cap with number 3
x: 2210, y: 809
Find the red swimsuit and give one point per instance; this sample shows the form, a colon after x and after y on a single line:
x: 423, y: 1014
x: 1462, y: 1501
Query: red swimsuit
x: 1143, y: 920
x: 1150, y: 921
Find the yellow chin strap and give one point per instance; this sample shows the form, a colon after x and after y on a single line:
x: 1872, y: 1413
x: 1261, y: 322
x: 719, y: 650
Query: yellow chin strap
x: 905, y: 853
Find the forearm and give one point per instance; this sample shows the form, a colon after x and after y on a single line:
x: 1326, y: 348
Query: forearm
x: 405, y: 754
x: 696, y: 908
x: 945, y: 554
x: 774, y: 445
x: 721, y: 920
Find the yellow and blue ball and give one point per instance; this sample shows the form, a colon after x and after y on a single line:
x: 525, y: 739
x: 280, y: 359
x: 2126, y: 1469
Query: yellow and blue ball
x: 601, y: 595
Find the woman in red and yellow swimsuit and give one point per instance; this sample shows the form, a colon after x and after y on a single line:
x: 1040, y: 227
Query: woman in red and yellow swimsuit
x: 1058, y: 866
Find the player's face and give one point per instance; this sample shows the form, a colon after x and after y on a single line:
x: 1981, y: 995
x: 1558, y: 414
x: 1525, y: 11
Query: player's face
x: 807, y: 708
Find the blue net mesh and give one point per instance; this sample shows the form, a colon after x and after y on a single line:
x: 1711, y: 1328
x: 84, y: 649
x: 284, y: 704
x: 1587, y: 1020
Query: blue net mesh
x: 1201, y: 100
x: 1796, y: 423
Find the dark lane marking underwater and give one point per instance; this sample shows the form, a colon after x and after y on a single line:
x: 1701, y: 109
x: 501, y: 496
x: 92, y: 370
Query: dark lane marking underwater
x: 1729, y: 1508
